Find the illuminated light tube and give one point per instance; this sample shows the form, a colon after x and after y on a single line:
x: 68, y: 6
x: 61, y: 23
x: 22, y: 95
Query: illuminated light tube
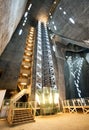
x: 20, y: 32
x: 29, y: 6
x: 23, y: 83
x: 26, y: 59
x: 72, y: 20
x: 27, y: 51
x: 30, y: 45
x: 32, y: 29
x: 26, y: 13
x: 31, y: 32
x: 31, y: 35
x: 24, y: 74
x: 27, y: 48
x: 28, y: 54
x: 26, y: 66
x: 31, y: 51
x: 30, y: 40
x: 23, y: 24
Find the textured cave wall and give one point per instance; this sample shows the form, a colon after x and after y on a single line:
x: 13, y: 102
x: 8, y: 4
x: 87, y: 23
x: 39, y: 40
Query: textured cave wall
x: 11, y: 12
x: 60, y: 58
x: 71, y: 89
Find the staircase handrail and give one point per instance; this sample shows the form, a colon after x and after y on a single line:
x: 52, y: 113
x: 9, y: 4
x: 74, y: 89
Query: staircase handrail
x: 19, y: 95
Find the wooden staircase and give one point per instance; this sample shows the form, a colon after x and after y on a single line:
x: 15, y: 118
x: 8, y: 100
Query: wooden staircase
x: 21, y: 116
x: 19, y: 113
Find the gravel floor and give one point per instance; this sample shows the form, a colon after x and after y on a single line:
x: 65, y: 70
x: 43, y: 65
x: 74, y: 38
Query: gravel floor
x: 54, y: 122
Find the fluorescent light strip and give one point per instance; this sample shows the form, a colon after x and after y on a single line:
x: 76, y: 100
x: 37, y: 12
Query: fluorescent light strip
x: 20, y: 32
x: 26, y: 13
x: 29, y: 6
x: 71, y: 20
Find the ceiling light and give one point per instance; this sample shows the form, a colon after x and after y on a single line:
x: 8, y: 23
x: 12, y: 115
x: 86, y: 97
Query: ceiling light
x: 23, y: 24
x: 55, y: 27
x: 72, y: 21
x: 20, y: 31
x: 60, y: 8
x: 26, y: 13
x: 29, y: 6
x: 23, y: 83
x: 26, y: 59
x: 64, y: 12
x: 26, y: 66
x: 54, y: 2
x: 24, y: 74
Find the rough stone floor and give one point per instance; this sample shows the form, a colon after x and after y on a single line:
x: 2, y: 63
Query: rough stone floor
x: 54, y: 122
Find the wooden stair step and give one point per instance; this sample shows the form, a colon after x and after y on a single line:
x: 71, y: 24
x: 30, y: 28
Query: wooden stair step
x: 22, y: 116
x: 26, y: 115
x: 17, y: 123
x: 22, y: 119
x: 30, y: 117
x: 25, y: 112
x: 21, y: 113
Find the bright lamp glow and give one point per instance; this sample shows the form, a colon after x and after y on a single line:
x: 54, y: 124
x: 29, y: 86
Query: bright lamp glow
x: 60, y: 8
x: 71, y: 20
x: 29, y: 6
x: 55, y: 27
x: 20, y: 32
x: 26, y: 13
x: 23, y: 24
x: 64, y: 12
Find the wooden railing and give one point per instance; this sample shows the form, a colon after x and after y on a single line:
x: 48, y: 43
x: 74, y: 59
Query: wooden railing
x: 10, y: 114
x: 74, y: 105
x: 19, y: 95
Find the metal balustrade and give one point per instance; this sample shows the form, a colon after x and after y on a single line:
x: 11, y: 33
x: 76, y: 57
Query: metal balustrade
x: 75, y: 105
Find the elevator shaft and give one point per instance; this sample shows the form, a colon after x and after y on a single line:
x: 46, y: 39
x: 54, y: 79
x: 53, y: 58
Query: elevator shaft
x: 46, y: 90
